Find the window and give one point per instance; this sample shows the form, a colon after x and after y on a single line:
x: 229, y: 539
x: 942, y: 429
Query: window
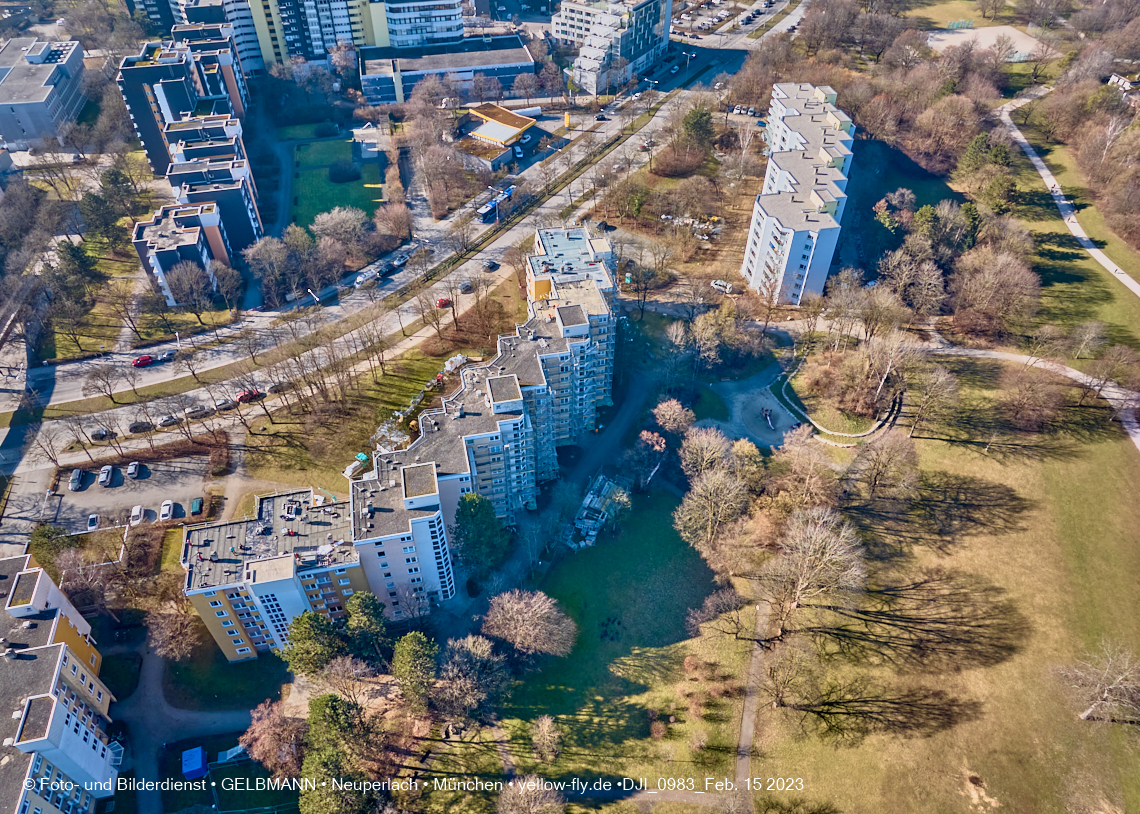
x: 347, y: 592
x: 100, y: 695
x: 73, y: 669
x: 211, y: 593
x: 220, y: 614
x: 409, y: 549
x: 239, y: 641
x: 217, y: 603
x: 344, y: 582
x: 83, y: 678
x: 234, y: 632
x: 243, y: 650
x: 414, y: 559
x: 227, y: 623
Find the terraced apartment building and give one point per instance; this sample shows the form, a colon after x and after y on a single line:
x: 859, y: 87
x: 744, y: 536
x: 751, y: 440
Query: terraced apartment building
x: 57, y: 756
x: 796, y: 217
x: 496, y: 435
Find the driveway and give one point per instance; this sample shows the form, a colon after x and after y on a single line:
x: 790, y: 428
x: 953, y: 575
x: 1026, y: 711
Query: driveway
x: 180, y: 480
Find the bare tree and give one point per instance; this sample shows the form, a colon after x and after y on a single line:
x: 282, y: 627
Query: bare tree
x: 673, y: 416
x: 530, y: 794
x: 191, y: 288
x: 1031, y: 398
x: 473, y: 677
x: 50, y: 442
x: 887, y: 466
x: 429, y: 312
x: 531, y: 622
x: 173, y: 630
x: 119, y: 295
x: 820, y: 561
x: 347, y: 677
x: 1088, y: 337
x: 275, y: 740
x: 716, y: 498
x: 937, y: 390
x: 1107, y: 683
x: 545, y: 738
x: 704, y: 449
x: 102, y: 380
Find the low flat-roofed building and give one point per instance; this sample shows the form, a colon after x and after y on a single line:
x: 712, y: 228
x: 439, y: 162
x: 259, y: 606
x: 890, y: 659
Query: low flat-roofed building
x: 387, y: 75
x: 41, y: 89
x: 500, y: 126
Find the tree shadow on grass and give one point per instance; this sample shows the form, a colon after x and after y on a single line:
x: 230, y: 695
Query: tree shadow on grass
x: 945, y: 510
x: 849, y: 711
x: 941, y: 621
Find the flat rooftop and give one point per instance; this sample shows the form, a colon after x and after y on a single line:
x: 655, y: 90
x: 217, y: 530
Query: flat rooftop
x: 494, y: 113
x: 572, y: 315
x: 419, y: 480
x: 473, y: 52
x: 486, y: 150
x: 170, y: 228
x: 570, y: 253
x: 504, y: 388
x: 23, y: 82
x: 317, y: 529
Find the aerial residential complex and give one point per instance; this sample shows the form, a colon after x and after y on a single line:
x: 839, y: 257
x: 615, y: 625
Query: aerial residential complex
x: 795, y: 220
x: 56, y: 757
x: 616, y: 40
x: 41, y: 89
x: 496, y: 435
x: 186, y: 97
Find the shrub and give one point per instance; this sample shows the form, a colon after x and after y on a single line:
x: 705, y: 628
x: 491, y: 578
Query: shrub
x: 343, y: 171
x: 671, y: 163
x: 658, y: 730
x: 697, y: 705
x: 326, y: 129
x: 698, y: 740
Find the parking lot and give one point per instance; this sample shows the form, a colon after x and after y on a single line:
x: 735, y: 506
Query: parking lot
x: 180, y: 480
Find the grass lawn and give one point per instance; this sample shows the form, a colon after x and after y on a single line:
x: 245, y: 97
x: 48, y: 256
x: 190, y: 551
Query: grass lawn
x: 312, y: 451
x: 314, y: 193
x: 709, y: 404
x: 99, y: 329
x: 1074, y: 287
x: 823, y: 410
x: 121, y: 674
x: 321, y: 153
x: 940, y: 14
x: 1059, y: 159
x: 297, y: 131
x: 629, y: 596
x: 172, y: 550
x: 206, y: 681
x: 186, y: 325
x: 1043, y: 533
x: 105, y: 541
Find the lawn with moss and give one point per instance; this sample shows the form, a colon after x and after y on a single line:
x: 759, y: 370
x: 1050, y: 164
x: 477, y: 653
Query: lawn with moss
x: 1040, y: 538
x: 322, y: 153
x: 206, y: 681
x: 314, y: 193
x: 629, y: 596
x: 940, y: 13
x: 121, y: 674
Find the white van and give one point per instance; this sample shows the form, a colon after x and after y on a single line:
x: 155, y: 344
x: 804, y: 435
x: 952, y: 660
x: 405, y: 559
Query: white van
x: 722, y: 286
x: 361, y: 279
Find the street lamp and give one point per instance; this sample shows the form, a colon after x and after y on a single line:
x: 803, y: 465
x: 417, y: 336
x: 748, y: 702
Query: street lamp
x: 316, y: 299
x: 688, y: 57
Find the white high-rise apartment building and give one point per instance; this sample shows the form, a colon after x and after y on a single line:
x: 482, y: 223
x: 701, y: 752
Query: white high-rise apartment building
x: 796, y: 219
x: 616, y: 40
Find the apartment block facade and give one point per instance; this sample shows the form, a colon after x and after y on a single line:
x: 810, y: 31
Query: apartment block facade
x: 41, y: 89
x: 56, y: 757
x: 496, y: 435
x: 796, y: 218
x: 615, y: 40
x: 175, y: 234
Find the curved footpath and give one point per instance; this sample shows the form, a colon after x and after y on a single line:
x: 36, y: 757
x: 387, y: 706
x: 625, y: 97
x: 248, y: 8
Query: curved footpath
x: 1064, y: 205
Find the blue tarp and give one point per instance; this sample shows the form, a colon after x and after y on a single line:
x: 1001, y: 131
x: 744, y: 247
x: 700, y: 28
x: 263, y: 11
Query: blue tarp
x: 194, y: 763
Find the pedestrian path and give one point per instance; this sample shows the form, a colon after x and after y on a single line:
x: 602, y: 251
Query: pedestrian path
x: 1066, y: 207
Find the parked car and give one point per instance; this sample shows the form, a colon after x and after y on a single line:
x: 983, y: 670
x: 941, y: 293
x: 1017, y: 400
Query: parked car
x: 722, y: 285
x: 224, y: 404
x: 141, y: 426
x: 105, y: 475
x: 102, y: 434
x: 133, y: 470
x: 636, y: 96
x: 169, y: 421
x: 167, y: 510
x: 751, y: 111
x: 466, y: 288
x: 525, y: 139
x: 361, y: 279
x: 142, y: 361
x: 75, y: 481
x: 600, y: 118
x: 168, y: 356
x: 280, y: 387
x: 401, y: 260
x: 246, y: 396
x: 92, y: 522
x: 136, y: 515
x: 198, y: 411
x: 196, y: 506
x: 518, y: 151
x: 489, y: 265
x: 443, y: 302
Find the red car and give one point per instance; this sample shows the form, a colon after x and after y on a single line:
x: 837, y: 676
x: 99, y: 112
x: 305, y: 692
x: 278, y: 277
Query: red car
x: 246, y: 396
x: 142, y: 361
x: 443, y: 302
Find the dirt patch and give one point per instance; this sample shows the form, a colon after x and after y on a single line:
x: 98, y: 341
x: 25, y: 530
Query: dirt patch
x: 975, y: 788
